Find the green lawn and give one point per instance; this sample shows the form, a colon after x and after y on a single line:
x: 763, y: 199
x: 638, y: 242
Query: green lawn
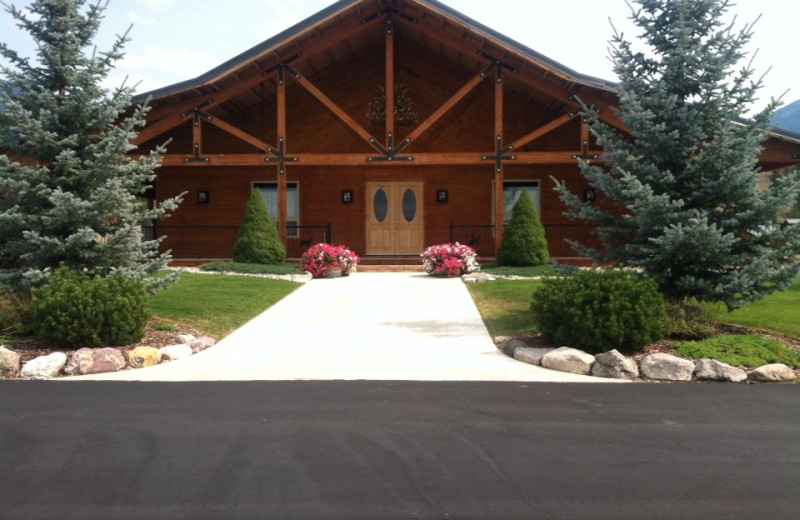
x: 505, y: 304
x: 779, y: 312
x: 740, y: 350
x: 217, y: 305
x: 237, y: 267
x: 538, y: 270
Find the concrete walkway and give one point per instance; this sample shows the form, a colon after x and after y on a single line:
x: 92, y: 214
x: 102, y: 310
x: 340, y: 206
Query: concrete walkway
x: 369, y: 326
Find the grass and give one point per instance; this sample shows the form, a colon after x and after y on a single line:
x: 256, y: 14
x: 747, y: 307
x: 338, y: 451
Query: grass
x: 160, y: 325
x: 235, y: 267
x: 777, y: 312
x: 740, y: 350
x: 217, y: 305
x: 536, y: 270
x: 505, y: 305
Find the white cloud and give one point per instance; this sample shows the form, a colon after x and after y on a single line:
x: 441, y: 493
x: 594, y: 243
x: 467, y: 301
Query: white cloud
x: 138, y: 19
x: 158, y: 5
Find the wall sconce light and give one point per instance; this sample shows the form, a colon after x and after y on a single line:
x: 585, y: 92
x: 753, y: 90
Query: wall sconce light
x: 203, y: 197
x: 589, y: 195
x: 442, y: 196
x: 347, y: 197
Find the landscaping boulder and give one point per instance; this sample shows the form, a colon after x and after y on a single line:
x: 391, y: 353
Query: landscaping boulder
x: 186, y: 339
x: 667, y: 367
x: 95, y: 361
x: 44, y: 367
x: 477, y: 278
x: 532, y: 356
x: 614, y: 365
x: 9, y: 362
x: 141, y: 357
x: 174, y: 352
x: 713, y: 370
x: 775, y: 372
x: 202, y: 343
x: 510, y: 345
x: 566, y: 359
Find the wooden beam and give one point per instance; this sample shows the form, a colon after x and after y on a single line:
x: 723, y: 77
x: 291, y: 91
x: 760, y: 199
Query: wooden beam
x: 241, y: 134
x: 337, y: 111
x: 500, y: 168
x: 361, y: 159
x: 527, y: 75
x: 444, y: 109
x: 169, y: 116
x: 197, y: 135
x: 542, y: 130
x: 282, y: 187
x: 389, y: 90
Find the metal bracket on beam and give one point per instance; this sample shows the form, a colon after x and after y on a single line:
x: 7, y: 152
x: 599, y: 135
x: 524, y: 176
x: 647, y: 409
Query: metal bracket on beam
x: 499, y: 156
x: 585, y: 155
x: 196, y: 109
x: 281, y: 157
x: 389, y: 11
x: 196, y: 156
x: 281, y: 65
x: 498, y: 62
x: 391, y: 158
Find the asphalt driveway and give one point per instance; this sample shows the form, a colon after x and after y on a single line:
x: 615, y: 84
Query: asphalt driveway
x: 397, y: 450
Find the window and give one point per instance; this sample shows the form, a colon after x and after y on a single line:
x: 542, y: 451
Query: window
x: 511, y: 192
x: 269, y: 191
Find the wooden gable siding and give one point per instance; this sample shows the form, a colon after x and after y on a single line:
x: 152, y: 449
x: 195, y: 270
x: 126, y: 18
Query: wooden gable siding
x: 430, y: 80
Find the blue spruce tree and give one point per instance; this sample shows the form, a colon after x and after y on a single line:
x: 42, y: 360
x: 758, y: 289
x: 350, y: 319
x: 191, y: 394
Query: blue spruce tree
x: 684, y: 180
x: 69, y: 191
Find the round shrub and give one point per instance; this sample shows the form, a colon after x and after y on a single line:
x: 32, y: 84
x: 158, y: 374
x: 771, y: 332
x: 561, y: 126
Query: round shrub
x: 598, y: 311
x: 523, y: 243
x: 257, y: 241
x: 78, y: 310
x: 449, y: 260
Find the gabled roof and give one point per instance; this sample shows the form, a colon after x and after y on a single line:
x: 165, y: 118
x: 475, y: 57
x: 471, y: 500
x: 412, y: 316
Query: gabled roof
x: 333, y: 10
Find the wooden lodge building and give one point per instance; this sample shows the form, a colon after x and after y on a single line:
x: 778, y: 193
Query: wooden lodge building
x: 302, y: 118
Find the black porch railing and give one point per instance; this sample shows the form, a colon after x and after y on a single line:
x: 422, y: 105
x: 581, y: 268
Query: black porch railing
x: 300, y: 238
x: 217, y: 241
x: 558, y: 236
x: 481, y: 237
x: 478, y: 237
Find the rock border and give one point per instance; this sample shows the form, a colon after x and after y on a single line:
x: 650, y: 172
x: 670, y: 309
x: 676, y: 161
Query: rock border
x: 304, y: 277
x: 656, y: 367
x: 87, y: 361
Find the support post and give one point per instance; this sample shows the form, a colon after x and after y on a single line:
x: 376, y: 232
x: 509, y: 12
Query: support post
x: 499, y: 169
x: 389, y: 91
x: 282, y: 198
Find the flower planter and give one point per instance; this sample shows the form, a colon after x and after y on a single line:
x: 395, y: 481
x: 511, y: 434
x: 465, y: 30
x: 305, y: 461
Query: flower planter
x: 329, y: 261
x: 334, y: 273
x: 446, y: 260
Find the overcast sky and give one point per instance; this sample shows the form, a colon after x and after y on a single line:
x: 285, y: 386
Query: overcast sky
x: 175, y: 40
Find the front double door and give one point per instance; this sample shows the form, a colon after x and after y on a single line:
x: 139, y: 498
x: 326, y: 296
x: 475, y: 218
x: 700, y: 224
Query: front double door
x: 395, y: 221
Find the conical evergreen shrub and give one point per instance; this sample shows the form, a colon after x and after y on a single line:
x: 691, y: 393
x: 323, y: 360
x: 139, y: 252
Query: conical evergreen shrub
x: 524, y: 242
x: 257, y: 241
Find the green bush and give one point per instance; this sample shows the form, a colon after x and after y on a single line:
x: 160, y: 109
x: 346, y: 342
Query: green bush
x: 523, y: 241
x: 78, y: 310
x: 257, y: 241
x: 688, y: 319
x: 746, y: 350
x: 597, y: 311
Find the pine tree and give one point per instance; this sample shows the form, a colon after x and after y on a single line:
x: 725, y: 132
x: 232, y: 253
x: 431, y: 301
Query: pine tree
x: 684, y: 181
x: 257, y: 241
x: 68, y: 188
x: 523, y: 241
